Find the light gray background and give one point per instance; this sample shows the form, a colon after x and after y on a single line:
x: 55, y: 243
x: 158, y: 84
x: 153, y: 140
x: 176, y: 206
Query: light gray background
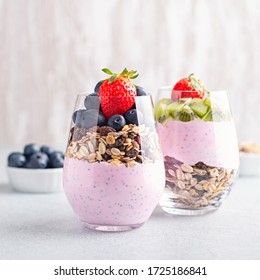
x: 52, y: 50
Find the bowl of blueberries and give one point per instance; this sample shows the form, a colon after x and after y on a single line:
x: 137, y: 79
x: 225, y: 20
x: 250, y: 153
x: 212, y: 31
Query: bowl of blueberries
x: 38, y: 169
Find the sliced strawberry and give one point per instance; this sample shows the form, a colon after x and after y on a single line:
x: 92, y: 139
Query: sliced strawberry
x: 189, y: 87
x: 117, y: 93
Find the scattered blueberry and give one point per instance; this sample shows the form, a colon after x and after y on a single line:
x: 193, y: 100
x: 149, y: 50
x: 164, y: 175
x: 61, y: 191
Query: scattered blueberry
x: 56, y: 160
x: 140, y: 91
x: 37, y: 160
x: 92, y: 101
x: 37, y: 157
x: 57, y: 153
x: 101, y: 120
x: 96, y: 89
x: 47, y: 150
x: 31, y: 149
x: 117, y: 122
x: 86, y: 118
x: 16, y: 160
x: 133, y: 116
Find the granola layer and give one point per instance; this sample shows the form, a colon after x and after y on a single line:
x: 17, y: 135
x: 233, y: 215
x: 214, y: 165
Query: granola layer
x: 133, y: 144
x: 194, y: 186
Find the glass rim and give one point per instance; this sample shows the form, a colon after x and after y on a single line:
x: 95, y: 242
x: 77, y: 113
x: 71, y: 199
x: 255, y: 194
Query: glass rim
x: 169, y: 88
x: 85, y: 93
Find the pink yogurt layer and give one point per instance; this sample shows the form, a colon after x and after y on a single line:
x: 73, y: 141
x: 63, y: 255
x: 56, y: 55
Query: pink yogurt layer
x: 213, y: 143
x: 103, y: 194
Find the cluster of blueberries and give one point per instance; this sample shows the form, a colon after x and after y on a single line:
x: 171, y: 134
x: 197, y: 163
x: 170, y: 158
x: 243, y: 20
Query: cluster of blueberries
x: 92, y: 115
x: 36, y: 157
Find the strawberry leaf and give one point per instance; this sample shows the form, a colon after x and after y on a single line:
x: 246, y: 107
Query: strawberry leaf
x: 112, y: 79
x: 130, y: 73
x: 196, y: 83
x: 124, y: 72
x: 107, y: 71
x: 134, y: 76
x: 191, y: 76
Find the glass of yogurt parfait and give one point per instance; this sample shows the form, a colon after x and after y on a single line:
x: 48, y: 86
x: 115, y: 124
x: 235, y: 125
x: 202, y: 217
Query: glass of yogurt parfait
x: 199, y: 145
x: 113, y: 169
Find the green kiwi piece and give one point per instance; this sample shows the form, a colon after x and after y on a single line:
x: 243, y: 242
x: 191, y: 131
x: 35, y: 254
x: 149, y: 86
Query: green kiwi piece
x: 208, y: 116
x: 207, y: 102
x: 186, y: 114
x: 174, y: 107
x: 199, y: 107
x: 214, y: 115
x: 160, y: 112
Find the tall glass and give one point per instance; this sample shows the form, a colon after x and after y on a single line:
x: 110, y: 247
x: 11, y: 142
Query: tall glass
x: 200, y: 151
x: 113, y: 179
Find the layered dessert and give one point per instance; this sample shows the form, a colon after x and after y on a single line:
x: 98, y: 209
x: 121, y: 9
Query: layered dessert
x: 113, y: 168
x: 199, y: 145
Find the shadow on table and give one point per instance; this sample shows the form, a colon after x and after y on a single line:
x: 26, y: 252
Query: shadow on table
x: 5, y: 188
x: 65, y: 227
x: 160, y: 214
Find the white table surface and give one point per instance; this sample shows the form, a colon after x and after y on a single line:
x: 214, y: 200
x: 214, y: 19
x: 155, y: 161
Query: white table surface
x: 43, y: 226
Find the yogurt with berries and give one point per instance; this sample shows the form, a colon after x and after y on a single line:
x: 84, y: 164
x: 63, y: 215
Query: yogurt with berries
x: 199, y: 145
x: 113, y: 169
x: 103, y: 194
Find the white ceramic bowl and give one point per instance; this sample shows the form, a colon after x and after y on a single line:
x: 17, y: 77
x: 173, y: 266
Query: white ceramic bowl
x: 249, y: 164
x: 35, y: 180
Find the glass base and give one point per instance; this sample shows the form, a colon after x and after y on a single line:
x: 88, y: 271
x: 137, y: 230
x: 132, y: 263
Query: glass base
x: 170, y: 205
x: 187, y: 212
x: 111, y: 228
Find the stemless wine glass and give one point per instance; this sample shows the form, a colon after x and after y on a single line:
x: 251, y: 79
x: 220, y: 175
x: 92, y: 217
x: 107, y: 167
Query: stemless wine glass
x: 200, y: 149
x: 113, y: 179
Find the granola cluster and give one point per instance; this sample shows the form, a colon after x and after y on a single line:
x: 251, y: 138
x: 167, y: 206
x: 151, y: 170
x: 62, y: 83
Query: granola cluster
x: 194, y: 186
x: 249, y: 148
x: 133, y: 144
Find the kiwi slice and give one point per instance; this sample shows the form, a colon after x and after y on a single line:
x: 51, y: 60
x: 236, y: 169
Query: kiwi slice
x: 186, y: 114
x: 160, y: 112
x: 174, y: 108
x: 208, y: 116
x: 199, y: 107
x: 207, y: 102
x: 214, y: 115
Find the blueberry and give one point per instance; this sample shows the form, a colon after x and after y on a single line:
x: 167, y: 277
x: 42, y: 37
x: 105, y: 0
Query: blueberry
x: 96, y: 89
x: 140, y: 91
x: 86, y: 118
x: 57, y: 153
x: 47, y: 150
x: 16, y: 160
x: 101, y: 119
x: 37, y: 160
x: 93, y: 94
x: 31, y: 149
x: 56, y: 160
x: 133, y: 116
x: 117, y: 122
x: 75, y: 114
x: 92, y: 101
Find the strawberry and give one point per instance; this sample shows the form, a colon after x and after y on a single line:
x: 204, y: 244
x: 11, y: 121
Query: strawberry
x: 189, y: 87
x: 117, y: 93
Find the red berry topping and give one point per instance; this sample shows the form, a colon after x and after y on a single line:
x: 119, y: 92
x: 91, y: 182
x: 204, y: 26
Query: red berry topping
x: 189, y: 87
x: 117, y: 93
